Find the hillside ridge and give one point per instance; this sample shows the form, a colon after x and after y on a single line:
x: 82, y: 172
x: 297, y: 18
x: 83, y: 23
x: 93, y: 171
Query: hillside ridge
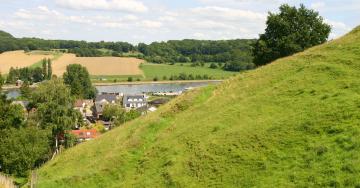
x: 291, y: 123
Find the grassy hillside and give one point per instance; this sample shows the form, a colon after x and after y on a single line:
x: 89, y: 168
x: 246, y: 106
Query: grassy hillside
x: 293, y: 123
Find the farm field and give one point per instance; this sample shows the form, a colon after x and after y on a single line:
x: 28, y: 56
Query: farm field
x: 161, y: 70
x: 106, y: 66
x: 20, y: 59
x: 150, y: 71
x: 106, y: 69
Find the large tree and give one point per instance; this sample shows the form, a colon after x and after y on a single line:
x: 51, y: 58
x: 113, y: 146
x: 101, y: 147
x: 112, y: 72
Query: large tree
x: 49, y: 69
x: 22, y: 149
x: 290, y: 31
x: 78, y: 78
x: 55, y: 111
x: 44, y: 68
x: 1, y: 82
x: 23, y: 146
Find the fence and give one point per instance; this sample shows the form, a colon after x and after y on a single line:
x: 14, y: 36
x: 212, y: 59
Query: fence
x: 6, y: 182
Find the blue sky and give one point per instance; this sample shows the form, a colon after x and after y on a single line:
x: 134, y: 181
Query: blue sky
x: 158, y: 20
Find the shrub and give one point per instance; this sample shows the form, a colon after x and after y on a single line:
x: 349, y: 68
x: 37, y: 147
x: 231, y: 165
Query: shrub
x: 213, y: 66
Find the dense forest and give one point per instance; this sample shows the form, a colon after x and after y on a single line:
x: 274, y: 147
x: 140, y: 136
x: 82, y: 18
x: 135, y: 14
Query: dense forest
x: 232, y: 55
x: 196, y: 50
x: 80, y: 48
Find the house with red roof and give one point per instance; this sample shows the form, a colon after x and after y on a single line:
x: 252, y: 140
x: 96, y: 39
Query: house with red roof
x: 85, y: 135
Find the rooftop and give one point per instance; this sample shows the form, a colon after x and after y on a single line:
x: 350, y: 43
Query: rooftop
x: 107, y: 97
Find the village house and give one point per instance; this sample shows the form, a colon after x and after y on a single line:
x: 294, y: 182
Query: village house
x: 84, y: 107
x: 84, y: 135
x: 102, y: 100
x: 19, y: 82
x: 134, y: 101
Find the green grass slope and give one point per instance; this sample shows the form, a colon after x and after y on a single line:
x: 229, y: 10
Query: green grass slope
x: 160, y: 70
x: 293, y: 123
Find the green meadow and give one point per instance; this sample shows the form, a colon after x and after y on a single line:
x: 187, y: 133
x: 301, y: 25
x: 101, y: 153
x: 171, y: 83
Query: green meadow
x: 160, y: 70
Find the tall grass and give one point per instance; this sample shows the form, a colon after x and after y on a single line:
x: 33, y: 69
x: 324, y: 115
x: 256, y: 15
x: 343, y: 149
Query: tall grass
x: 293, y: 123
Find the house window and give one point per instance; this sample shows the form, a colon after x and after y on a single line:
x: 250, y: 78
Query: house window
x: 128, y: 105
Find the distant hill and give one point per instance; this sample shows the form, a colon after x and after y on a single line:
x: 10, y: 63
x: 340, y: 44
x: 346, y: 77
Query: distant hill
x: 4, y: 34
x: 184, y: 51
x: 292, y: 123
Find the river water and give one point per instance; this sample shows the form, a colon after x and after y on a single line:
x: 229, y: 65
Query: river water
x: 138, y: 88
x: 152, y: 87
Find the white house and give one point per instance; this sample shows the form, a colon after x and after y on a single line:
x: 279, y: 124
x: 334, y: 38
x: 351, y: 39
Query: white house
x: 134, y: 101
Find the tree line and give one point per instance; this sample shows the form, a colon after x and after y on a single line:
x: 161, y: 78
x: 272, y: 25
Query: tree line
x: 288, y: 31
x: 184, y: 51
x: 31, y: 75
x: 80, y: 48
x: 200, y: 51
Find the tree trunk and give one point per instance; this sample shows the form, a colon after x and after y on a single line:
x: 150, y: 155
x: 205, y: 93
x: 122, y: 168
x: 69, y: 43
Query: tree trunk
x: 56, y: 144
x: 56, y: 147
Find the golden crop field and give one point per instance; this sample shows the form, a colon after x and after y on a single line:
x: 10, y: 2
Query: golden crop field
x: 19, y: 59
x: 99, y: 65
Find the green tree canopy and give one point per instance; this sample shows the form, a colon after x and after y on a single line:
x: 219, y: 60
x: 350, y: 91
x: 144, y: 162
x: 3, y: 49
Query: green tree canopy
x: 1, y: 82
x: 49, y: 69
x: 23, y: 149
x: 22, y: 146
x: 290, y: 31
x: 54, y: 105
x: 78, y: 78
x: 44, y: 68
x: 114, y: 112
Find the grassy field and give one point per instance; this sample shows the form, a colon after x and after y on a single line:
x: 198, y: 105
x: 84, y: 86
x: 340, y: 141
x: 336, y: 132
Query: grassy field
x: 293, y: 123
x: 150, y: 71
x: 161, y: 70
x: 115, y: 78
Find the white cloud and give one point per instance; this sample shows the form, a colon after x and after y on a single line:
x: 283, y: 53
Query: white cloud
x: 131, y: 20
x: 217, y: 22
x: 151, y: 24
x: 167, y: 18
x: 199, y: 35
x: 130, y: 17
x: 115, y: 5
x: 237, y: 1
x: 113, y: 25
x: 338, y: 25
x: 228, y: 13
x: 317, y: 5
